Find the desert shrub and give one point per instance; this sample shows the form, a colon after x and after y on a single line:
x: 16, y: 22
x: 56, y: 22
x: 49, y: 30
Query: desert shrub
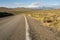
x: 51, y: 17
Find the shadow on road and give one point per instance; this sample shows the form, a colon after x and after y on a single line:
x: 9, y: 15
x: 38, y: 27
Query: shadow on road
x: 5, y: 14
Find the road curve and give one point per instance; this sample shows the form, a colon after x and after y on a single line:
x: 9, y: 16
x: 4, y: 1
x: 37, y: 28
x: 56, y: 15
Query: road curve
x: 17, y: 27
x: 12, y: 28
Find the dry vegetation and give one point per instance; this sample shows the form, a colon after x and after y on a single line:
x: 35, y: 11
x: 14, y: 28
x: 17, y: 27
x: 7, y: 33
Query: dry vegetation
x: 49, y: 18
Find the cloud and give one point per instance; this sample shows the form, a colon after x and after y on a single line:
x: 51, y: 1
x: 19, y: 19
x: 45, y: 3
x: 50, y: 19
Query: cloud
x: 3, y: 5
x: 31, y: 5
x: 52, y: 5
x: 34, y: 5
x: 17, y: 4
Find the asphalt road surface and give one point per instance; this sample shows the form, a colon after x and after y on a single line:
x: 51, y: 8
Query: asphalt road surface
x: 12, y: 28
x: 20, y: 27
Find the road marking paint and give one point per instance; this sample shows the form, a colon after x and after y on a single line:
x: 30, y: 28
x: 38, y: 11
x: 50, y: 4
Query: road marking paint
x: 27, y: 29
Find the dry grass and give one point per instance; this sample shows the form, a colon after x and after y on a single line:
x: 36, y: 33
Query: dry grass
x: 49, y: 18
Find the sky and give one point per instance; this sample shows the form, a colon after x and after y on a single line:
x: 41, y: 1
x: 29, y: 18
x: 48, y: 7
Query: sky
x: 29, y: 3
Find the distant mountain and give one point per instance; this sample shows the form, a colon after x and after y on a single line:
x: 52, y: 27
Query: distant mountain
x: 4, y: 9
x: 21, y: 9
x: 45, y: 8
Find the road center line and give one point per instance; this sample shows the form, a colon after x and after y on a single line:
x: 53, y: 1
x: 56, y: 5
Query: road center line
x: 27, y: 29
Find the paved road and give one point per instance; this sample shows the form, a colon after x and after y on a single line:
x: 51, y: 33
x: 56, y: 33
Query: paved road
x: 20, y: 27
x: 12, y: 28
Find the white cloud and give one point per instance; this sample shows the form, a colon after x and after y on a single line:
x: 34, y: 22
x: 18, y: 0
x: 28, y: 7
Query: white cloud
x: 34, y: 5
x: 16, y: 4
x: 51, y: 5
x: 3, y: 5
x: 31, y: 5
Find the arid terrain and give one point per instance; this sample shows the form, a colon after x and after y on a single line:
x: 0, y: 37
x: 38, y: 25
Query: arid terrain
x: 40, y: 24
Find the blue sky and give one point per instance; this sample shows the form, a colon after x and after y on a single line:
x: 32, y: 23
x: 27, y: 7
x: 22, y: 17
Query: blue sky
x: 29, y: 3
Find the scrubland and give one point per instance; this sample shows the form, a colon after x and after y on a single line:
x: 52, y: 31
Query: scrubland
x: 48, y: 18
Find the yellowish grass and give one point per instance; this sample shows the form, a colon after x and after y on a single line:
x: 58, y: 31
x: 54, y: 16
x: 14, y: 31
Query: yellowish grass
x: 49, y: 18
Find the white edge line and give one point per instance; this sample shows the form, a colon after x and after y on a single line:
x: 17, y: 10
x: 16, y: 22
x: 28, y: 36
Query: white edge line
x: 27, y: 29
